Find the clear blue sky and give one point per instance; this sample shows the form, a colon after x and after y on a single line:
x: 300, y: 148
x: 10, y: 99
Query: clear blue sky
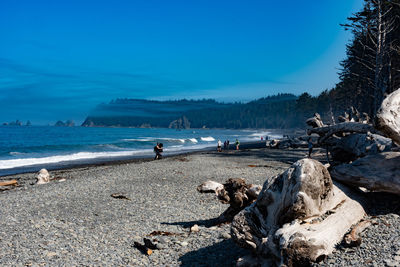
x: 58, y: 59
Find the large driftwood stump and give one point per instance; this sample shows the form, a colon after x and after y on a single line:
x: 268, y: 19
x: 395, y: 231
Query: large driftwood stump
x: 298, y: 217
x: 388, y: 117
x: 379, y: 172
x: 234, y: 192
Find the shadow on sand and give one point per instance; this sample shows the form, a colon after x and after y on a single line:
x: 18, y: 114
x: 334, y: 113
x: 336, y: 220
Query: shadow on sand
x: 206, y: 223
x: 224, y: 253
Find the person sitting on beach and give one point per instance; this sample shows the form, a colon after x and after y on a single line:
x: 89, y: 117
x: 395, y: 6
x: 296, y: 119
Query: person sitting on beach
x: 219, y: 146
x: 237, y: 143
x: 158, y: 149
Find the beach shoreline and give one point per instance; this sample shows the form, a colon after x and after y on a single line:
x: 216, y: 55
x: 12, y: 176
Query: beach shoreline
x: 74, y: 220
x: 116, y: 160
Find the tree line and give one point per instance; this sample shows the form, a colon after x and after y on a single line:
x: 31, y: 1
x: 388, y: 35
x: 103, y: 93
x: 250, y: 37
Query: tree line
x: 370, y: 71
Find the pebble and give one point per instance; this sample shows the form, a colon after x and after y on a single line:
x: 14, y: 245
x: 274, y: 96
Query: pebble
x: 77, y: 223
x: 391, y: 263
x: 194, y: 228
x: 184, y: 244
x: 225, y: 236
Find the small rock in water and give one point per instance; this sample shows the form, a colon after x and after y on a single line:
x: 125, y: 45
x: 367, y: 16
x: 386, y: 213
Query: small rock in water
x: 194, y: 228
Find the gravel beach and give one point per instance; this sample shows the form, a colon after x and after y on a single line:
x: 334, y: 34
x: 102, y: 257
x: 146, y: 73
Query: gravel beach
x: 76, y: 222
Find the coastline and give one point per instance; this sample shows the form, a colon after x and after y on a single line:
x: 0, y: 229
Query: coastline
x: 76, y: 221
x: 73, y: 220
x: 115, y: 160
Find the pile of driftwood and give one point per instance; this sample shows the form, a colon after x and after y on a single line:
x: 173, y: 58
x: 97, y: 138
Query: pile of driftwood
x: 300, y: 216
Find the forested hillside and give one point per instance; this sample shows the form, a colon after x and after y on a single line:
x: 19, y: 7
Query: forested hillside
x: 370, y: 71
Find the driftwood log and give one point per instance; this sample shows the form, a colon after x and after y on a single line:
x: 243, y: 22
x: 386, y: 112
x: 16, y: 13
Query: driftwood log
x: 234, y: 192
x: 379, y: 172
x: 340, y: 128
x: 315, y: 121
x: 9, y: 183
x: 354, y: 146
x: 388, y: 117
x: 298, y: 217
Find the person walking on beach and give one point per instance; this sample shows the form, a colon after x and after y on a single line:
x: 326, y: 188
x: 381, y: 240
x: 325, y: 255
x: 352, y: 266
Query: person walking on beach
x: 310, y: 147
x: 158, y: 149
x: 219, y: 146
x: 237, y: 143
x: 227, y: 144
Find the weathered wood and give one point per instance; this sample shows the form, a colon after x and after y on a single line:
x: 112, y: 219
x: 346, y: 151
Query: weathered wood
x: 344, y: 118
x: 234, y: 192
x: 9, y: 183
x: 354, y: 146
x: 315, y: 121
x: 354, y: 114
x: 43, y: 177
x: 210, y: 187
x: 298, y: 217
x: 349, y: 127
x: 388, y: 117
x: 353, y: 238
x: 379, y: 172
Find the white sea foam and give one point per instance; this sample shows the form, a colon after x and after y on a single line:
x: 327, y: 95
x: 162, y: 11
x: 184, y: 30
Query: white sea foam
x: 15, y: 163
x: 154, y: 139
x: 207, y: 139
x: 25, y: 162
x: 258, y: 135
x: 138, y: 140
x: 193, y: 140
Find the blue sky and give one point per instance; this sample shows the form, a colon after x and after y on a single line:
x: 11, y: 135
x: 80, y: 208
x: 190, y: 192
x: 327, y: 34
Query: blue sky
x: 59, y: 59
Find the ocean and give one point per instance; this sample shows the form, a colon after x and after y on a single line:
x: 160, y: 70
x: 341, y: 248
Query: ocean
x: 29, y: 148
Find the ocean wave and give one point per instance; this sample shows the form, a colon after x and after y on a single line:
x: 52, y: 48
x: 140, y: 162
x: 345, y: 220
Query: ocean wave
x: 154, y: 139
x: 108, y: 146
x: 207, y: 139
x: 138, y: 140
x: 15, y: 163
x: 259, y: 134
x: 193, y: 140
x: 16, y: 153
